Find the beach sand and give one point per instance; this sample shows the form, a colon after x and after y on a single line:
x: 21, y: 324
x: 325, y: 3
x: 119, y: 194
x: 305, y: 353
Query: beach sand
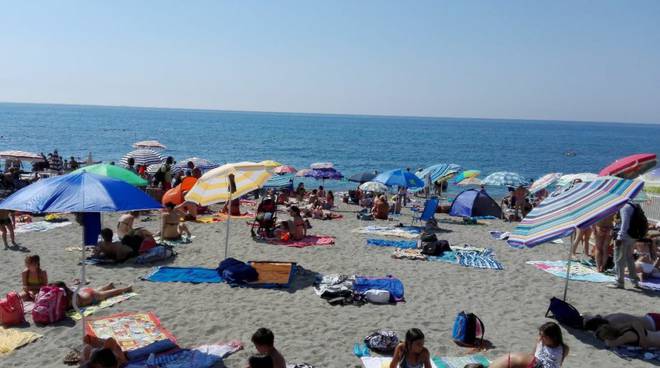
x: 512, y: 303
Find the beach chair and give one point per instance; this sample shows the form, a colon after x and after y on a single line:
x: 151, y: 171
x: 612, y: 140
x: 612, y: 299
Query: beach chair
x: 430, y: 206
x: 265, y: 220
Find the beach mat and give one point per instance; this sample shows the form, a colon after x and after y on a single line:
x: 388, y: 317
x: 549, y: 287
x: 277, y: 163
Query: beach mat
x: 194, y: 275
x: 409, y: 232
x: 138, y: 334
x: 308, y: 241
x: 464, y: 256
x: 403, y: 244
x: 88, y: 311
x: 12, y: 339
x: 382, y: 362
x: 273, y: 274
x: 460, y: 362
x: 39, y: 226
x: 204, y: 356
x: 579, y: 272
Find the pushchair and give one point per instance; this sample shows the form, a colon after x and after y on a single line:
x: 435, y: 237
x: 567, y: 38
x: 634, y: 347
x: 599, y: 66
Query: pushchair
x: 265, y: 220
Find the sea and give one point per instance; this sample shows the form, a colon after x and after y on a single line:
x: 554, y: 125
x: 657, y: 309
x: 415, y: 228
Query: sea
x: 353, y: 143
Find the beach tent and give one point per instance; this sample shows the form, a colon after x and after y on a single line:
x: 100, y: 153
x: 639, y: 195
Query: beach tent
x: 473, y: 203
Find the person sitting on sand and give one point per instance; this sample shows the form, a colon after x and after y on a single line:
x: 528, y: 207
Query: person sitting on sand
x: 313, y: 198
x: 411, y: 353
x: 234, y: 207
x: 381, y: 208
x: 112, y: 249
x: 329, y: 200
x: 647, y: 263
x: 550, y: 351
x: 296, y: 226
x: 171, y: 226
x: 7, y: 224
x: 102, y: 353
x: 519, y: 198
x: 632, y: 334
x: 264, y: 341
x: 88, y: 296
x: 33, y: 277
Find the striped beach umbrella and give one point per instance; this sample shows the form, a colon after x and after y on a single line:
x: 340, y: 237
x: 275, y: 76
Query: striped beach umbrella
x: 630, y: 167
x: 152, y: 169
x: 142, y: 156
x: 581, y: 206
x: 200, y: 163
x: 439, y: 172
x: 322, y: 165
x: 505, y: 179
x: 466, y: 175
x: 544, y: 182
x: 568, y: 179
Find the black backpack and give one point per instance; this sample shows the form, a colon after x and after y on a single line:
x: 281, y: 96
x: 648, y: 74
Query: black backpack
x: 428, y: 237
x: 639, y: 224
x: 435, y: 248
x: 565, y: 313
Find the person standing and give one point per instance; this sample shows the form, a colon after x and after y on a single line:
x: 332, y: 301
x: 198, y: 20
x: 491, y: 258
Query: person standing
x: 623, y: 249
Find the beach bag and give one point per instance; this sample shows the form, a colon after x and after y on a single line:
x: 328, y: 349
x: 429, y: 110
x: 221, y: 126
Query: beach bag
x: 565, y: 313
x: 467, y: 327
x: 382, y: 341
x: 11, y: 310
x: 49, y: 305
x: 428, y: 237
x: 156, y: 254
x: 436, y: 248
x: 639, y: 224
x: 365, y: 216
x: 377, y: 296
x: 237, y: 272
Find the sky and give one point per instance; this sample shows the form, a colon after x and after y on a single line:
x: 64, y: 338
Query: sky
x: 559, y: 60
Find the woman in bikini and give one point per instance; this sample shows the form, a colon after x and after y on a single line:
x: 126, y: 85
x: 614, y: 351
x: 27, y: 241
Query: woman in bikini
x: 125, y: 224
x: 171, y: 226
x: 33, y: 277
x: 648, y: 262
x: 297, y: 227
x: 549, y: 352
x: 411, y: 353
x: 603, y: 235
x: 633, y: 334
x: 89, y: 296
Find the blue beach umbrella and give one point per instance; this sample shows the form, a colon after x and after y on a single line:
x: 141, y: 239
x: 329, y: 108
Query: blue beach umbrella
x: 399, y: 177
x: 505, y: 179
x: 81, y: 192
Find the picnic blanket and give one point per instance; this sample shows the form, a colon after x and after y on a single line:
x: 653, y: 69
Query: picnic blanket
x: 578, y: 272
x: 204, y: 356
x: 12, y: 339
x: 409, y: 232
x: 382, y: 362
x: 636, y: 352
x: 194, y: 275
x: 402, y: 244
x: 88, y: 311
x: 138, y: 334
x: 460, y: 362
x: 39, y: 226
x: 173, y: 243
x: 308, y: 241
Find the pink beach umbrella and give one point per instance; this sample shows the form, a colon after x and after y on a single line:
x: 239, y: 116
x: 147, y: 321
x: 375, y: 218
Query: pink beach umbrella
x: 630, y: 167
x: 285, y: 169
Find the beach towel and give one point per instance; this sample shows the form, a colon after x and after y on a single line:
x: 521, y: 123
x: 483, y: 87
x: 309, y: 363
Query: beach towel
x: 204, y: 356
x: 402, y: 244
x: 409, y: 232
x: 636, y: 352
x: 499, y: 235
x: 138, y: 334
x: 462, y: 221
x: 579, y: 272
x: 273, y: 274
x: 88, y: 311
x: 460, y: 362
x: 478, y: 260
x: 173, y: 243
x: 308, y: 241
x: 465, y: 255
x: 650, y: 284
x: 194, y: 275
x: 39, y: 226
x: 382, y: 362
x: 411, y: 254
x: 220, y: 217
x: 12, y: 339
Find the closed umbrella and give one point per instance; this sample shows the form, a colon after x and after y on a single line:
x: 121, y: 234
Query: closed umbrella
x: 142, y: 156
x: 505, y: 179
x: 630, y: 167
x: 362, y: 177
x: 149, y: 144
x: 373, y: 186
x: 81, y: 192
x: 285, y: 169
x: 115, y: 172
x: 466, y: 175
x: 544, y: 182
x: 568, y: 179
x: 229, y: 181
x: 401, y: 178
x: 576, y: 208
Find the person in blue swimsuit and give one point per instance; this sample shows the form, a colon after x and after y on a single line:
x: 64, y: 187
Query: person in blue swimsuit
x: 411, y: 353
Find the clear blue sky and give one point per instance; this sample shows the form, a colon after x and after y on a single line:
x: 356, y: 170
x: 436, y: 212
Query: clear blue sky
x: 567, y: 60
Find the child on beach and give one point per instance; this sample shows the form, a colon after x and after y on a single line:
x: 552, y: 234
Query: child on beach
x: 411, y: 353
x: 33, y: 277
x: 550, y: 351
x: 264, y: 340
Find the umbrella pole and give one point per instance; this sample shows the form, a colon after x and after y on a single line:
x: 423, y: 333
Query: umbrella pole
x: 80, y: 284
x: 568, y: 269
x: 228, y: 220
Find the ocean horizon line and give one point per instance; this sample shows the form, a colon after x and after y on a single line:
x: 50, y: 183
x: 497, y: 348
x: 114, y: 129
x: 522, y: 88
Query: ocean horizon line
x: 429, y: 117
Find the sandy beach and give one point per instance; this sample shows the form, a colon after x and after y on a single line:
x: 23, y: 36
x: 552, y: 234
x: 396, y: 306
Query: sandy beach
x: 512, y: 302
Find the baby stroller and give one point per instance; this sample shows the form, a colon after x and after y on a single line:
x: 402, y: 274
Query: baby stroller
x: 265, y: 220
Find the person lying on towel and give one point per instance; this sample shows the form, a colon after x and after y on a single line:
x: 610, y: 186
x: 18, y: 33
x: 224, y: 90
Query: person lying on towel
x: 102, y: 353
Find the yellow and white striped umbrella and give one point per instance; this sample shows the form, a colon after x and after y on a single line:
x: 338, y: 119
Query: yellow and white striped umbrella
x: 213, y: 187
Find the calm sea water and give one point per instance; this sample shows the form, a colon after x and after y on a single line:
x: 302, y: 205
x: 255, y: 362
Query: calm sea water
x: 353, y: 143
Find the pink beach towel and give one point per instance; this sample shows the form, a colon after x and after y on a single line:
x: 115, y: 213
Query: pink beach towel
x: 307, y: 241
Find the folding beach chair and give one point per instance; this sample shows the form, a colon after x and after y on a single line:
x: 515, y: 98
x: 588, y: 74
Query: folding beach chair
x: 430, y: 205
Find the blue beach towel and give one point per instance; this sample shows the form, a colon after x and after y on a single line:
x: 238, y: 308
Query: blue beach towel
x: 446, y: 257
x: 476, y: 260
x: 403, y: 244
x: 389, y: 283
x: 193, y: 275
